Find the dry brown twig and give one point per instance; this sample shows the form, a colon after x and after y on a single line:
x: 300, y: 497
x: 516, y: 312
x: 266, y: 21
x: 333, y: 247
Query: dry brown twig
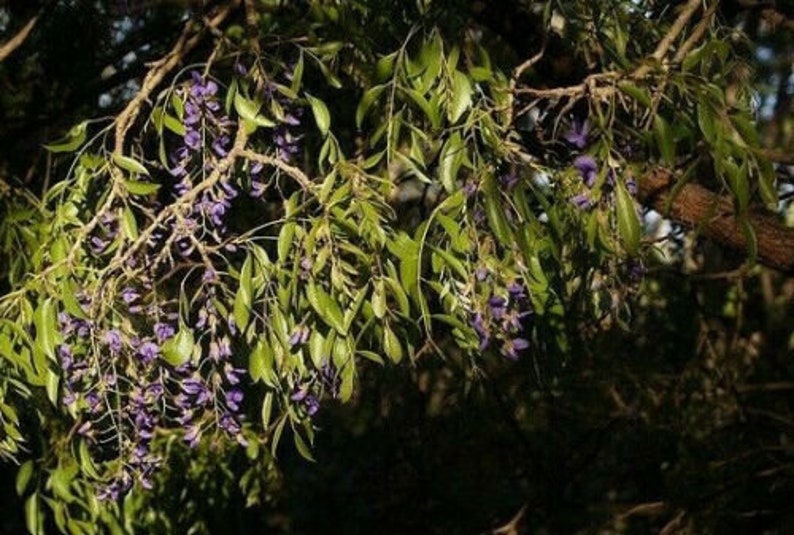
x: 15, y: 42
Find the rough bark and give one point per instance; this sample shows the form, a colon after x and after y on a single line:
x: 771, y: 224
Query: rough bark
x: 714, y: 217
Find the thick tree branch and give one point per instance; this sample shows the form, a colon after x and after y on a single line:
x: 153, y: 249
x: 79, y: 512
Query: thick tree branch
x: 714, y: 216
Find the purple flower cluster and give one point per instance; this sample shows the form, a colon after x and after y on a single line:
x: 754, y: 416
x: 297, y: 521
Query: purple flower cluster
x: 207, y: 138
x: 502, y: 320
x: 285, y: 138
x: 588, y: 168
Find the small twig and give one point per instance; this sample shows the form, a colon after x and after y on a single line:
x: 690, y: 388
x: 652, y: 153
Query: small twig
x: 697, y: 34
x: 667, y: 41
x: 299, y: 176
x: 645, y: 509
x: 511, y: 528
x: 15, y: 42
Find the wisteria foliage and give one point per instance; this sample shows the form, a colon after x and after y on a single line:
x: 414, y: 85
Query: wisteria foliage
x: 276, y: 220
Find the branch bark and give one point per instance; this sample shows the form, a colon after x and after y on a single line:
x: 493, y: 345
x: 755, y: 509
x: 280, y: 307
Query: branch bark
x: 714, y: 216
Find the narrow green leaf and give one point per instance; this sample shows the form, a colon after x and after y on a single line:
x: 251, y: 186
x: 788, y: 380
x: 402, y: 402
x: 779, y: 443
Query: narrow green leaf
x: 23, y: 477
x: 391, y: 345
x: 33, y: 515
x: 628, y: 222
x: 321, y: 114
x: 326, y: 307
x: 370, y: 96
x: 249, y: 111
x: 302, y: 448
x: 378, y: 300
x: 74, y: 139
x: 640, y: 94
x: 267, y: 410
x: 130, y: 164
x: 243, y: 300
x: 369, y: 355
x: 462, y: 92
x: 664, y: 140
x: 140, y: 188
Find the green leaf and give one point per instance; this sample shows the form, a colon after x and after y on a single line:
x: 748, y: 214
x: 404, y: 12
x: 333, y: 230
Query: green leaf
x: 391, y: 345
x: 429, y: 111
x: 261, y: 362
x: 706, y: 121
x: 450, y: 160
x: 128, y: 224
x: 243, y: 300
x: 285, y: 237
x: 267, y: 410
x: 249, y: 111
x: 302, y: 448
x: 74, y: 139
x: 53, y: 381
x: 370, y: 96
x: 130, y: 164
x: 495, y: 211
x: 321, y: 114
x: 640, y: 94
x: 34, y: 517
x: 461, y: 96
x: 378, y: 300
x: 23, y: 477
x: 628, y: 222
x: 326, y: 307
x: 369, y: 355
x: 664, y: 139
x: 297, y: 74
x: 140, y: 188
x: 177, y: 350
x: 46, y: 322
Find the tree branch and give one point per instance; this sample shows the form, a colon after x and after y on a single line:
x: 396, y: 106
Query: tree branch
x: 713, y: 215
x: 15, y: 42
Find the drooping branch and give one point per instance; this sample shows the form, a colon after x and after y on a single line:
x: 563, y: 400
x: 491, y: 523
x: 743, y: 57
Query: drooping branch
x: 714, y: 216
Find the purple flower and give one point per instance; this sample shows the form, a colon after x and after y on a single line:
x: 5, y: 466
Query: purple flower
x: 129, y: 295
x: 148, y: 352
x: 582, y: 201
x: 631, y: 186
x: 312, y: 405
x: 113, y: 340
x: 67, y: 359
x: 163, y: 331
x: 192, y: 139
x: 511, y: 348
x: 497, y: 305
x: 300, y: 394
x: 193, y: 436
x: 478, y: 324
x: 587, y: 168
x: 516, y: 291
x: 509, y: 180
x: 577, y: 135
x: 220, y: 146
x: 98, y: 245
x: 233, y: 399
x: 233, y: 374
x: 300, y: 336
